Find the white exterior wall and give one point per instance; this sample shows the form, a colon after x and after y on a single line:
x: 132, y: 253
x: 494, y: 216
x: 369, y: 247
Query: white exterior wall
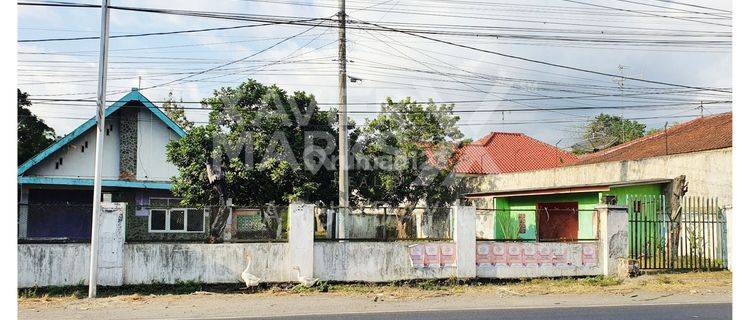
x: 153, y: 136
x: 371, y: 262
x: 301, y: 232
x: 207, y: 263
x: 53, y: 264
x: 66, y: 264
x: 464, y: 235
x: 709, y: 174
x: 572, y: 253
x: 77, y: 164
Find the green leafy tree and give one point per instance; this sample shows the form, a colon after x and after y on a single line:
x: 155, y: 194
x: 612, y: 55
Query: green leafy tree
x: 652, y: 131
x: 175, y: 111
x: 606, y: 131
x: 413, y: 151
x: 261, y: 146
x: 33, y: 134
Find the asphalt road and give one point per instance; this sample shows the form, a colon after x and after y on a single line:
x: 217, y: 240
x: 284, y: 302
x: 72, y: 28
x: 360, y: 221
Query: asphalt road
x: 641, y: 312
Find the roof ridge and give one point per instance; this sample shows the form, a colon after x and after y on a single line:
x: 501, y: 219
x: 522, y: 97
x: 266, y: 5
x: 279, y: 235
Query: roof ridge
x: 88, y: 124
x: 651, y: 136
x: 677, y: 130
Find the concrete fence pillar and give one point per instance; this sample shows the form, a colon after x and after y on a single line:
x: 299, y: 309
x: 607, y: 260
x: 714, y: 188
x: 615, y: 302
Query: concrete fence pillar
x: 23, y: 213
x: 728, y: 235
x: 301, y: 240
x: 111, y: 262
x: 613, y: 240
x: 464, y: 235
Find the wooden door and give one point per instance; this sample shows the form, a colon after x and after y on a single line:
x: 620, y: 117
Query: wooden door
x: 557, y: 221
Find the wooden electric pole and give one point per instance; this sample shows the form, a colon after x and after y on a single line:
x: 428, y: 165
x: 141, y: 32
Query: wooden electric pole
x: 100, y: 100
x: 343, y: 132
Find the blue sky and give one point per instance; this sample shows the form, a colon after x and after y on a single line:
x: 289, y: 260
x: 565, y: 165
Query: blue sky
x: 383, y: 60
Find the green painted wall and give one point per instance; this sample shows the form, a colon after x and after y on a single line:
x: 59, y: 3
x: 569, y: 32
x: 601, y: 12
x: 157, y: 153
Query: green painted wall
x: 508, y: 211
x: 651, y: 203
x: 623, y: 193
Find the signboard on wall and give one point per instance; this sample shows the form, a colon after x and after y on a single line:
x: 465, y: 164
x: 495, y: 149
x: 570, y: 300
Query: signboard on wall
x: 534, y: 255
x: 432, y: 255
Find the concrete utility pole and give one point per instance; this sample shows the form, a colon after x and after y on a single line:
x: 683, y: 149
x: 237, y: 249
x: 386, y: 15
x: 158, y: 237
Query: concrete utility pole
x: 621, y: 84
x: 100, y: 101
x: 343, y: 132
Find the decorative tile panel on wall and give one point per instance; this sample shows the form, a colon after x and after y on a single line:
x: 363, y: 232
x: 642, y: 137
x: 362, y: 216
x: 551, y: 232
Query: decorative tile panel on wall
x: 432, y: 255
x: 535, y: 255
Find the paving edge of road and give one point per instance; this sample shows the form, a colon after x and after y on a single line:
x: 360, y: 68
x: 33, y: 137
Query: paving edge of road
x: 218, y: 306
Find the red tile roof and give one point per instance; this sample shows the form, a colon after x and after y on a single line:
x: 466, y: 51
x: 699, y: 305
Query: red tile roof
x: 505, y: 152
x: 704, y: 133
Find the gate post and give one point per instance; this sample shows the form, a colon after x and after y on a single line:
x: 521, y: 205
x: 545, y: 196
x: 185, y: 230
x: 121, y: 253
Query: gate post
x: 728, y: 235
x: 111, y: 268
x: 465, y: 237
x: 301, y: 240
x: 613, y: 240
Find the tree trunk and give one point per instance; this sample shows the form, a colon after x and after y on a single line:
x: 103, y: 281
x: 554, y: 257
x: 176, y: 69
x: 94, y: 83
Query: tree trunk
x: 401, y: 224
x: 679, y: 189
x: 402, y: 216
x: 218, y: 224
x: 219, y: 218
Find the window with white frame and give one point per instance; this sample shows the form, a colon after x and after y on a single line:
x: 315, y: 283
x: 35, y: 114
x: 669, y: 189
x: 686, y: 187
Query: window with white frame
x: 165, y: 218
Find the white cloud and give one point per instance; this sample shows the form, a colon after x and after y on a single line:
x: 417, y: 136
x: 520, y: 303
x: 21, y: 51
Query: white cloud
x: 681, y: 66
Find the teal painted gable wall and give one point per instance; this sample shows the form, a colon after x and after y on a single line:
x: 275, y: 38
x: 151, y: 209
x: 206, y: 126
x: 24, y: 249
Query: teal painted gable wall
x: 90, y: 124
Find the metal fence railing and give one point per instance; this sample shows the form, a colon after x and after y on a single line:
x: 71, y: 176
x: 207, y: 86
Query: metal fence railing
x: 538, y: 223
x: 383, y: 224
x: 252, y: 224
x: 694, y: 239
x: 157, y: 220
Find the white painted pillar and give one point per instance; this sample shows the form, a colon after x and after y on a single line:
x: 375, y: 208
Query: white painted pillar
x: 330, y: 218
x: 23, y: 213
x: 228, y: 228
x: 613, y: 240
x: 301, y: 240
x: 111, y: 266
x: 464, y: 235
x: 343, y: 219
x: 419, y: 223
x: 728, y: 217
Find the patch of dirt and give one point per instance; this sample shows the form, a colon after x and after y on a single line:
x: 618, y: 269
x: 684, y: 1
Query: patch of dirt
x: 694, y: 283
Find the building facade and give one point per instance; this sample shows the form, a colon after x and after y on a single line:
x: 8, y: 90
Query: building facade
x: 56, y: 185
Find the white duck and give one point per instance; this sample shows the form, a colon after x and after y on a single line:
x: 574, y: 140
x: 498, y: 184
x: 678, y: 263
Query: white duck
x: 305, y: 281
x: 250, y: 279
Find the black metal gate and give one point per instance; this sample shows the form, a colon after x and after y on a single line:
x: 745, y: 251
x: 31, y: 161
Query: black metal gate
x: 696, y: 240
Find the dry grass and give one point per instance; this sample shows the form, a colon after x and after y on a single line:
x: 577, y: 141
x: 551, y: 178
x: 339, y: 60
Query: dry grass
x: 691, y: 283
x: 673, y: 283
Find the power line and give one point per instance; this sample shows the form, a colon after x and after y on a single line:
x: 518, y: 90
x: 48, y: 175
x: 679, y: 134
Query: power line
x: 289, y: 20
x: 563, y: 108
x: 543, y: 121
x: 690, y: 11
x: 131, y: 35
x: 542, y: 62
x: 422, y: 102
x: 646, y: 13
x: 693, y: 5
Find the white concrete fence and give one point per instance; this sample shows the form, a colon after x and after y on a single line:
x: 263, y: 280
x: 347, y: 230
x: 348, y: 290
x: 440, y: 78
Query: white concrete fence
x: 464, y: 257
